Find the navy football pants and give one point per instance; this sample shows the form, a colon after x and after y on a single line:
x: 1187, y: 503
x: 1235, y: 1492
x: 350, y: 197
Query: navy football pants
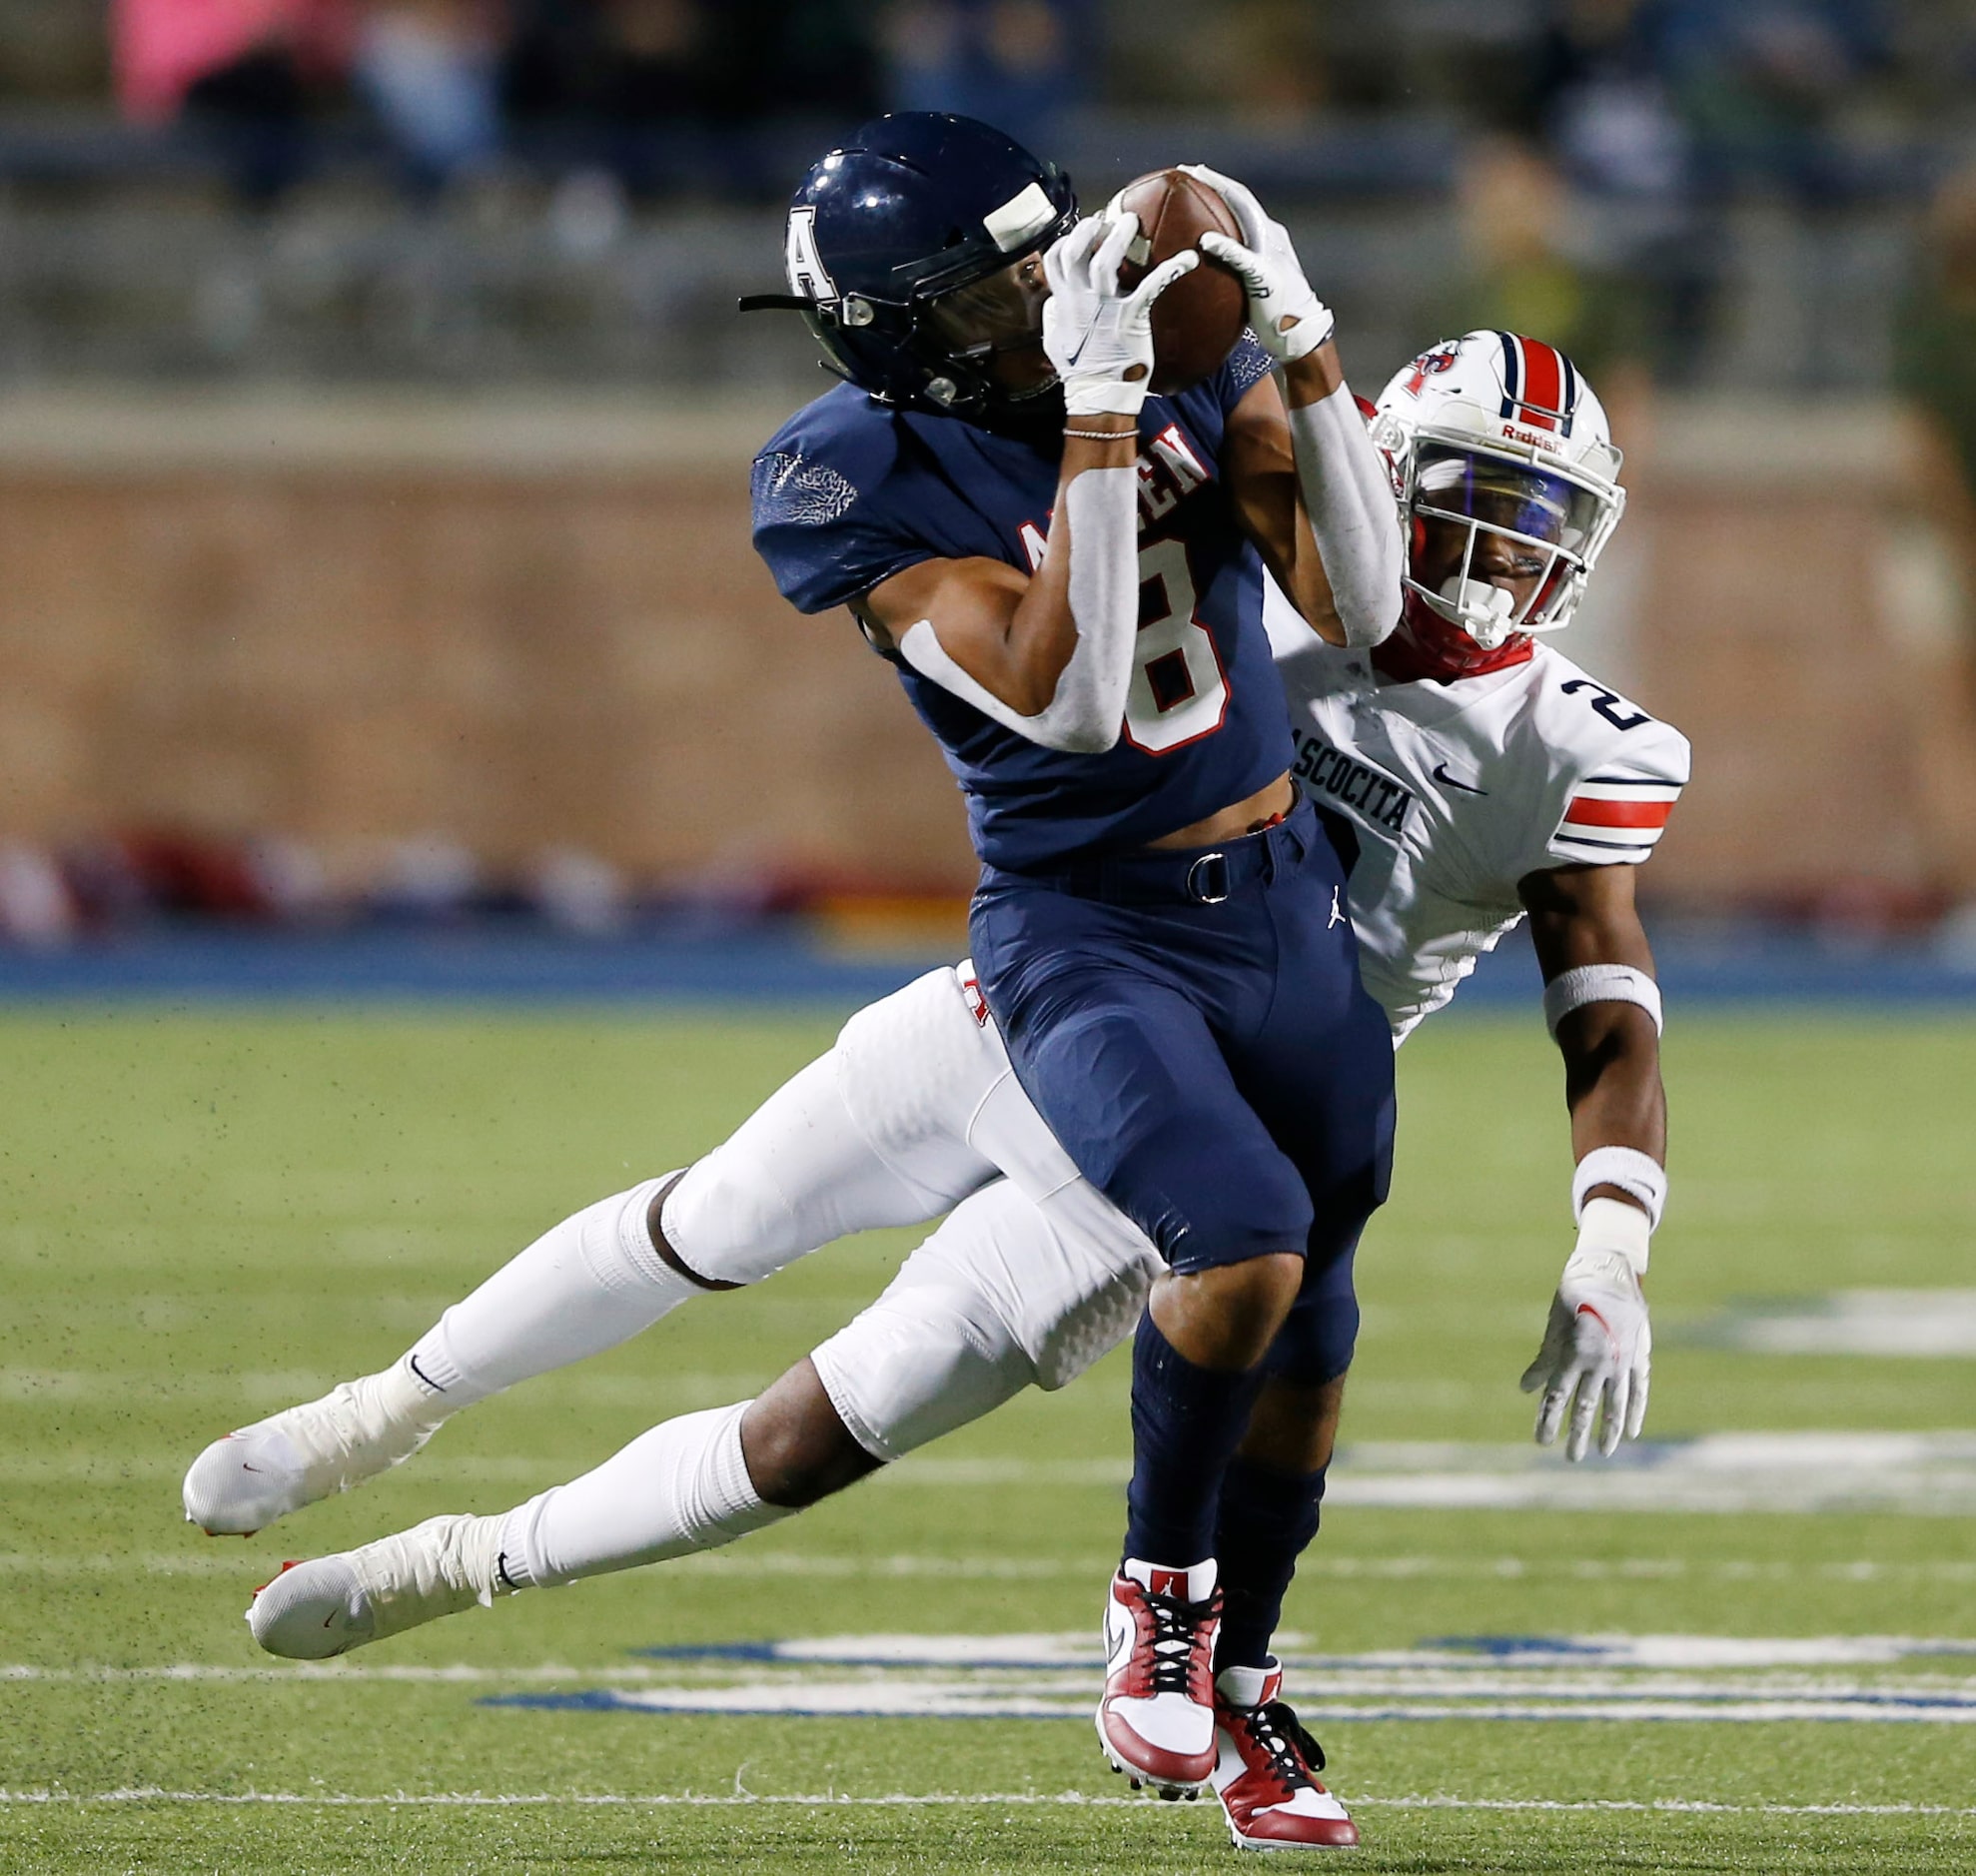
x: 1192, y: 1026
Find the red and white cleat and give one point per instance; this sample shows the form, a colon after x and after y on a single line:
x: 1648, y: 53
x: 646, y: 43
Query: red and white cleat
x: 1267, y: 1772
x: 1156, y: 1721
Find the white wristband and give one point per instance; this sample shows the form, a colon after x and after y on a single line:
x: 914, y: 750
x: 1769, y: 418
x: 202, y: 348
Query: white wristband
x: 1105, y: 396
x: 1599, y: 983
x: 1638, y: 1175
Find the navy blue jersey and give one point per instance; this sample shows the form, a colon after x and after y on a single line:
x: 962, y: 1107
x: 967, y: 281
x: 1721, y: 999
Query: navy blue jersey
x: 849, y: 492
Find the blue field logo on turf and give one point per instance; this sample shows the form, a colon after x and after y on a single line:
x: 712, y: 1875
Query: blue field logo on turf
x: 1871, y: 1678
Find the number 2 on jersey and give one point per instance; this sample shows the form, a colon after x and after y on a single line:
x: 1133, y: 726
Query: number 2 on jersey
x: 1179, y: 690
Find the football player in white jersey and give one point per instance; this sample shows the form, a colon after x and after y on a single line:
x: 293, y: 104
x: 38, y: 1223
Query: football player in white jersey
x: 1485, y: 778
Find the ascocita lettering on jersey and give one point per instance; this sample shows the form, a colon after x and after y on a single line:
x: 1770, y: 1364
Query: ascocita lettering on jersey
x: 1353, y: 784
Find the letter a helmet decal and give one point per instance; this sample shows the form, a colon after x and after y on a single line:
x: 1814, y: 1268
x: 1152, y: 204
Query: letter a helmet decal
x: 807, y: 273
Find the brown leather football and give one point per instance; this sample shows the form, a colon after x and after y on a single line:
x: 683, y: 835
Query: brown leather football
x: 1196, y: 321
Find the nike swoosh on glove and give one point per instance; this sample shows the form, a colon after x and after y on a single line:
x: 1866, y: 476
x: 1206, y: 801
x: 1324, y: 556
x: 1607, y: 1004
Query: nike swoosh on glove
x: 1596, y: 1349
x: 1099, y: 337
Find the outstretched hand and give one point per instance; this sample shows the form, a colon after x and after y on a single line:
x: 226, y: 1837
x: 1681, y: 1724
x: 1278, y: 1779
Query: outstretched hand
x: 1596, y: 1349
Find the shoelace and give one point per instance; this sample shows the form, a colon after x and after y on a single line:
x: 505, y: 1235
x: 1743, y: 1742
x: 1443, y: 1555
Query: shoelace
x: 1176, y: 1634
x: 1293, y: 1755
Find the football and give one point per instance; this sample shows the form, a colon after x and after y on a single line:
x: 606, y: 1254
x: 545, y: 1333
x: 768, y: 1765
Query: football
x: 1196, y: 321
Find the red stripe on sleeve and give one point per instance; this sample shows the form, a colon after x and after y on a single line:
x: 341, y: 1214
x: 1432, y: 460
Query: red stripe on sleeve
x: 1588, y: 813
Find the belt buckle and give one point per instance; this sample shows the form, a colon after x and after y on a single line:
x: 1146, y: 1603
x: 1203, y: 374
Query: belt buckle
x: 1207, y: 879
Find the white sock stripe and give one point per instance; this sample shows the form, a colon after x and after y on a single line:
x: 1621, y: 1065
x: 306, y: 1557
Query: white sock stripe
x: 731, y: 1503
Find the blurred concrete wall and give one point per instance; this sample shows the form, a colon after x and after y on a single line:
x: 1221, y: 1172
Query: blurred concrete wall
x: 522, y: 625
x: 515, y: 626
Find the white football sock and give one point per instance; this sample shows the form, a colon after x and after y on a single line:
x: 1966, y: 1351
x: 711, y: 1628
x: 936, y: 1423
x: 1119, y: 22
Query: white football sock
x: 682, y: 1486
x: 582, y: 1287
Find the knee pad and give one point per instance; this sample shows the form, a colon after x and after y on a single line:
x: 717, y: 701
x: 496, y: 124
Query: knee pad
x: 798, y: 1173
x: 924, y: 1359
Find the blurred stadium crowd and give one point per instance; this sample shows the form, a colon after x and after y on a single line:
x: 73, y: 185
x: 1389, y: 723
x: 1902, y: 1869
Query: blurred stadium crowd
x: 573, y: 189
x: 1771, y: 199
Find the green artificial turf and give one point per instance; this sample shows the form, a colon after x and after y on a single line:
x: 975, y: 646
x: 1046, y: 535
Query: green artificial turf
x: 205, y: 1217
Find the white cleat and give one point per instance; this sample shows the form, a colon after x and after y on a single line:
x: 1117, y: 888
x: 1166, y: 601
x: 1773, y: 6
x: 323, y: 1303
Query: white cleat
x: 331, y: 1605
x: 242, y: 1483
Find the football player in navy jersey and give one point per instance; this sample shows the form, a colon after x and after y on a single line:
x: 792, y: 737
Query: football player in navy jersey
x: 1067, y: 572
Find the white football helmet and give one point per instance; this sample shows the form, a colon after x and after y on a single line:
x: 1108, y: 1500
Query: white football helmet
x: 1500, y: 434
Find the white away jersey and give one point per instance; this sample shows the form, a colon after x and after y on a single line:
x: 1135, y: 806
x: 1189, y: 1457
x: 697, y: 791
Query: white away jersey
x: 1458, y: 790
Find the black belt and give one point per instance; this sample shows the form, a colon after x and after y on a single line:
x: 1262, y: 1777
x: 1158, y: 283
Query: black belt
x: 1185, y: 875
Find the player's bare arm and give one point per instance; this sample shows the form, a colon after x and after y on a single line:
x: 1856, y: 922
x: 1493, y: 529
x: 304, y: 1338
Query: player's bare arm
x: 1604, y: 1011
x: 1582, y: 916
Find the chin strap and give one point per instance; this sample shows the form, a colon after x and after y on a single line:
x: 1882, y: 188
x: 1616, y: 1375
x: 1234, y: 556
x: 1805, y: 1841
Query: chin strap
x: 1415, y: 654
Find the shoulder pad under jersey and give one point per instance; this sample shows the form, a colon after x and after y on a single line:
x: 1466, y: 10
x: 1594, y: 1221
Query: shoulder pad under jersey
x: 821, y: 521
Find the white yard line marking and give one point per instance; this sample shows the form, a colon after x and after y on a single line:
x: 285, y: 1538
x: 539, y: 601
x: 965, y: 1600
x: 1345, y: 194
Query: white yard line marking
x: 1906, y: 1324
x: 1597, y: 1665
x: 221, y: 1558
x: 1930, y: 1475
x: 1435, y: 1801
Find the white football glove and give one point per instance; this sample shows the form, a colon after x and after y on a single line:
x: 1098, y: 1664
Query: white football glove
x: 1284, y: 313
x: 1100, y: 339
x: 1597, y: 1344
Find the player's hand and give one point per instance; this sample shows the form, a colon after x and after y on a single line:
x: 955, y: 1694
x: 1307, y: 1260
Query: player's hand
x: 1284, y: 313
x: 1596, y: 1349
x: 1099, y: 337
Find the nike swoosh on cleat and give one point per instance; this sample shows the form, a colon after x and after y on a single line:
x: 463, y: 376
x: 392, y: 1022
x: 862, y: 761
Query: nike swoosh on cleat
x: 1441, y: 774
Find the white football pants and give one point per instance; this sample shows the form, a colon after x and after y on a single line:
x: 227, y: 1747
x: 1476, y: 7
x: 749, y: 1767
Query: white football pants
x: 916, y: 1108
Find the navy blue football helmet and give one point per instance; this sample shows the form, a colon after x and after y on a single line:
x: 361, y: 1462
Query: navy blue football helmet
x: 902, y: 252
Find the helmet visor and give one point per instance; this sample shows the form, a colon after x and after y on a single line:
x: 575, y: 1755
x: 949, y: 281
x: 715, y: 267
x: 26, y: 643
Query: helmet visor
x: 1510, y: 499
x: 1003, y: 313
